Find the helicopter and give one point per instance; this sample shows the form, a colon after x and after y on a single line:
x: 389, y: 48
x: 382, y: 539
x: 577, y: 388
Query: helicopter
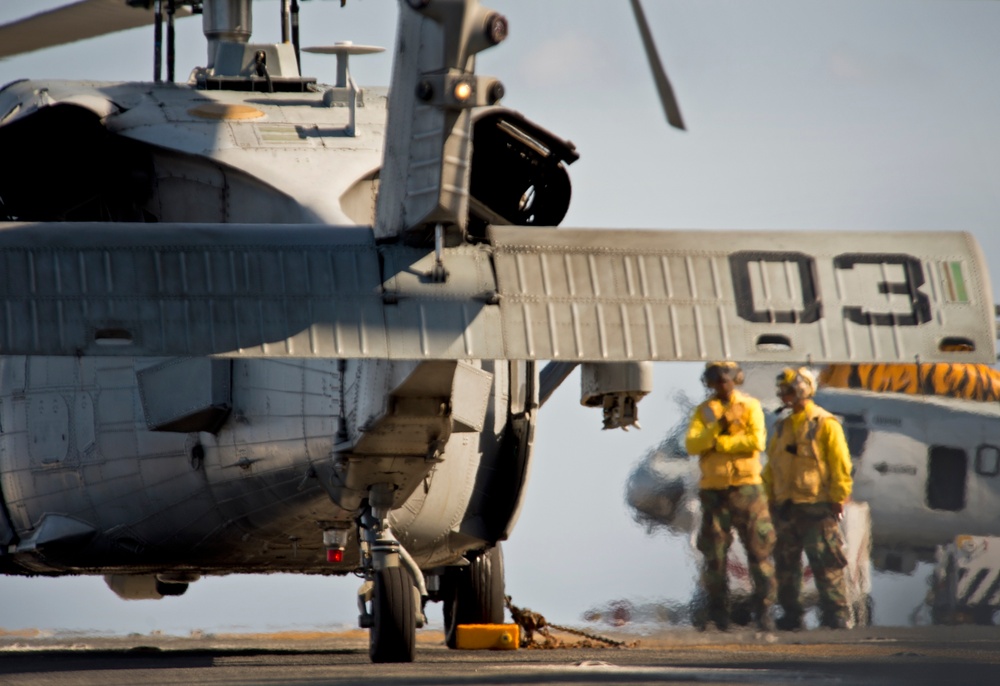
x: 178, y: 317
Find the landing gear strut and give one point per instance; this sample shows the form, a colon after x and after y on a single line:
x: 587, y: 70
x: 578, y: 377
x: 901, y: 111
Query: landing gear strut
x: 390, y: 600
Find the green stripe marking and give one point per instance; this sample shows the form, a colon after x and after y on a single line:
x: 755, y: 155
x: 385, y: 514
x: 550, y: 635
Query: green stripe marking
x: 959, y: 281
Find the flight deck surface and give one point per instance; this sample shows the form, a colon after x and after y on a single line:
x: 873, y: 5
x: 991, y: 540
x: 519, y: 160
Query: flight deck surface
x: 880, y: 655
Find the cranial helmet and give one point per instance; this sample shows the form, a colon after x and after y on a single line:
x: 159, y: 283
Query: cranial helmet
x: 801, y: 380
x: 715, y: 370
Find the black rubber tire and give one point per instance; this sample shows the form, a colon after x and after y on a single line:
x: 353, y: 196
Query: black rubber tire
x: 392, y: 637
x: 475, y: 593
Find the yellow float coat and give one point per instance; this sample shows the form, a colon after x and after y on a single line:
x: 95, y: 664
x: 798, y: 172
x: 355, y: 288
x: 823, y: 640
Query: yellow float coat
x: 808, y: 460
x: 731, y: 458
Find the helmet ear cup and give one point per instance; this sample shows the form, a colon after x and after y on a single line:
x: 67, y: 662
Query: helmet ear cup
x: 714, y: 369
x: 806, y: 382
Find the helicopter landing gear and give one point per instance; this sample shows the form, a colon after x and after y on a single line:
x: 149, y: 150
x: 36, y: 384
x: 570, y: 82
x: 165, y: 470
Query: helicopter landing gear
x: 390, y: 600
x: 393, y: 629
x: 473, y: 594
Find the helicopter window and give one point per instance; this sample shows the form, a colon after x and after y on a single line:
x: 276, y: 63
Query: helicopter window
x: 946, y: 470
x: 856, y: 432
x: 988, y: 460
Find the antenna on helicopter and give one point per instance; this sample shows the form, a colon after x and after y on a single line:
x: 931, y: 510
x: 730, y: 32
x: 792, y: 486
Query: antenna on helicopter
x: 343, y: 50
x: 344, y: 91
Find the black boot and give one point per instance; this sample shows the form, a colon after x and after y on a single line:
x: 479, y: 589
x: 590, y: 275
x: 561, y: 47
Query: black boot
x: 790, y: 621
x: 719, y: 617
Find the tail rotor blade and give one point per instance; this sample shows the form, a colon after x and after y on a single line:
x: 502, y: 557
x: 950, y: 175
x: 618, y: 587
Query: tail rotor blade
x: 666, y: 91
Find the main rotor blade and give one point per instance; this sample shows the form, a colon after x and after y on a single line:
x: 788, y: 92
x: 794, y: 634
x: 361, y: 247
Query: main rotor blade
x: 670, y: 106
x: 73, y: 22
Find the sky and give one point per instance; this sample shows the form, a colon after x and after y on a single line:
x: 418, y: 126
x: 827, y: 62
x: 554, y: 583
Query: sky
x: 875, y: 115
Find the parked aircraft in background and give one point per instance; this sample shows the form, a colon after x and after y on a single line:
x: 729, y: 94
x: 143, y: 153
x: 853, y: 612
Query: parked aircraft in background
x: 923, y: 440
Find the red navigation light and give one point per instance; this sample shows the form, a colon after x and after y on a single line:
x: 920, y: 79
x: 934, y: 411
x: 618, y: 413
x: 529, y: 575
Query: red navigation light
x: 335, y: 555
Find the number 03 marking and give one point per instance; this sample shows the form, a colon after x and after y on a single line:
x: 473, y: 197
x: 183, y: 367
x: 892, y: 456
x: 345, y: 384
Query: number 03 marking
x: 812, y: 307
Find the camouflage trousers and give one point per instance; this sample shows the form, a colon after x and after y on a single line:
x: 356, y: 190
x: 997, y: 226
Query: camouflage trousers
x: 814, y: 529
x: 745, y: 509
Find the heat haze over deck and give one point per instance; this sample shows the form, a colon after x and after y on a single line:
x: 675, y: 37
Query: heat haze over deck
x: 798, y: 118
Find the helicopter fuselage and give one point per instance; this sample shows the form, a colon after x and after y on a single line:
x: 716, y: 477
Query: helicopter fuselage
x: 198, y: 465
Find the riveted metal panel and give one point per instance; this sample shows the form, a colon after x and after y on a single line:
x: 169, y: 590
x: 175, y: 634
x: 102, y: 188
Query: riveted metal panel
x: 450, y: 319
x: 599, y: 295
x: 185, y: 394
x: 288, y: 291
x: 767, y: 296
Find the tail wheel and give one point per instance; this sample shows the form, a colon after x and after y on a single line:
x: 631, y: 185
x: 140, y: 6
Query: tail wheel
x: 393, y: 633
x: 475, y: 593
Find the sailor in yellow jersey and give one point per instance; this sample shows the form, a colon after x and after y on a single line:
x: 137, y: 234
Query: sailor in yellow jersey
x: 808, y: 480
x: 727, y: 433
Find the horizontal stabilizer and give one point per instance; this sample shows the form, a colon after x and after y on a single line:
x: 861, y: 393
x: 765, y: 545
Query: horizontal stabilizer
x: 743, y: 295
x: 529, y: 293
